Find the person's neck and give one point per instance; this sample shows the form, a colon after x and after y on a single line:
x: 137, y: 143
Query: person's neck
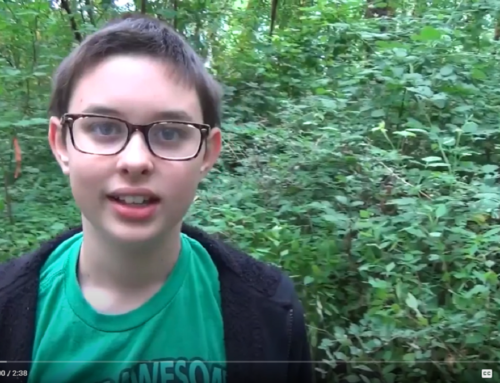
x: 107, y: 264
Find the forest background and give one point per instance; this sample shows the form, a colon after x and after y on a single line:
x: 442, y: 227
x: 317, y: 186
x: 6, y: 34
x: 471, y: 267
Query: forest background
x: 360, y: 155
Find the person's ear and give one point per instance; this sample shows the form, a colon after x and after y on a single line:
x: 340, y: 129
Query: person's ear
x: 58, y: 145
x: 212, y: 151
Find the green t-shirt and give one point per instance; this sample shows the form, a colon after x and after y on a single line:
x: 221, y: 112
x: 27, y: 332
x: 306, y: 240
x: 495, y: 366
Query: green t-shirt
x: 177, y: 336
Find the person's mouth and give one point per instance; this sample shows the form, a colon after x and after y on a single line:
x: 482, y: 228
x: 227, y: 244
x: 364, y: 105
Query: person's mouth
x: 134, y: 196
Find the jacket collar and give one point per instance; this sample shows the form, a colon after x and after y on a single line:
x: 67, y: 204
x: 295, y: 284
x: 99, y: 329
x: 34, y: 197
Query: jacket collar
x: 225, y: 257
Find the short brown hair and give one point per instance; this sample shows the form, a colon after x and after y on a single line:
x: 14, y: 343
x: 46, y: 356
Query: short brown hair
x: 144, y: 35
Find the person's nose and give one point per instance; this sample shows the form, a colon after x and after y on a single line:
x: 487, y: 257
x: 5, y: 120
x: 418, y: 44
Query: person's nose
x: 136, y: 160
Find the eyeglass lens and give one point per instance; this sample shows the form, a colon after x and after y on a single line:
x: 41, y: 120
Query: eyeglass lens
x: 106, y: 136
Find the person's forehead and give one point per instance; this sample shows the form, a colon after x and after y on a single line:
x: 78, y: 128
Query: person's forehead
x: 167, y: 114
x: 134, y: 87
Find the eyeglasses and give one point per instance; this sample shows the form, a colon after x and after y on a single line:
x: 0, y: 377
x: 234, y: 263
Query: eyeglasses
x: 108, y: 136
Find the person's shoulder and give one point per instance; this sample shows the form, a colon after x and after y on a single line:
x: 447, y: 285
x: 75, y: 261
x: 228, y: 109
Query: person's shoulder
x: 12, y: 264
x: 17, y: 264
x: 15, y: 271
x: 262, y: 277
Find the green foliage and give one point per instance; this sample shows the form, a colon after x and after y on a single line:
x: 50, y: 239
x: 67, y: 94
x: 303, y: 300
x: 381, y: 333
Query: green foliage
x: 360, y: 155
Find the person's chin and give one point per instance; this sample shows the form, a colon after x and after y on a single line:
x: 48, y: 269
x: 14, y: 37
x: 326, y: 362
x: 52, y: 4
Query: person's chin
x: 136, y: 238
x: 133, y: 232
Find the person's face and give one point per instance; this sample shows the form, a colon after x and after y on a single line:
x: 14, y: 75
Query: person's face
x: 139, y: 90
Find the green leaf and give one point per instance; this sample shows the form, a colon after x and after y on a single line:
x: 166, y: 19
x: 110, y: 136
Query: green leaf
x: 340, y: 355
x: 417, y: 130
x: 335, y: 217
x: 491, y: 232
x: 489, y: 168
x: 478, y: 289
x: 439, y: 100
x: 378, y: 283
x: 470, y: 127
x: 411, y: 301
x: 31, y: 122
x: 428, y: 33
x: 415, y: 124
x: 339, y: 332
x: 405, y: 133
x: 474, y: 338
x: 326, y: 344
x: 438, y: 164
x: 478, y: 74
x: 390, y: 266
x: 342, y: 199
x: 449, y: 141
x: 446, y: 70
x: 388, y: 367
x: 57, y: 227
x: 354, y: 329
x: 363, y: 367
x: 432, y: 159
x: 352, y: 378
x: 422, y: 90
x: 415, y: 231
x: 364, y: 214
x: 308, y: 280
x: 410, y: 357
x: 441, y: 211
x: 168, y: 13
x: 463, y: 108
x: 378, y: 113
x: 11, y: 72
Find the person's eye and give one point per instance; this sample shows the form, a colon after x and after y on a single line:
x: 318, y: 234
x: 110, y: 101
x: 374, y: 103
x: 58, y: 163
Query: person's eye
x: 106, y: 128
x: 169, y: 134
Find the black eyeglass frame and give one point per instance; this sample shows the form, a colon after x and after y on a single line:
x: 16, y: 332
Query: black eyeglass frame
x: 68, y: 120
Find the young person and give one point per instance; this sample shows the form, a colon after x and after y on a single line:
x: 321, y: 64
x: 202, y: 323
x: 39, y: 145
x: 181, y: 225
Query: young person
x: 134, y: 294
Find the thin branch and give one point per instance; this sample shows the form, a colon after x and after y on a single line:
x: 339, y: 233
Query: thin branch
x: 72, y: 21
x: 90, y: 11
x: 393, y: 174
x: 274, y: 12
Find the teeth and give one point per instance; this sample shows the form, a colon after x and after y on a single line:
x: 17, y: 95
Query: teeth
x: 133, y: 199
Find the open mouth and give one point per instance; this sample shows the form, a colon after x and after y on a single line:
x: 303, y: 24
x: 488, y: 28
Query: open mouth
x: 134, y: 200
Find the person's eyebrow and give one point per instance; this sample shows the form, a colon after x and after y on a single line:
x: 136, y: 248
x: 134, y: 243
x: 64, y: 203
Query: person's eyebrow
x: 173, y: 114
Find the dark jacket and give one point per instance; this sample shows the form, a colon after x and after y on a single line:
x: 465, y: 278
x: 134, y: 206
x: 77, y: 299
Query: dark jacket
x: 264, y: 330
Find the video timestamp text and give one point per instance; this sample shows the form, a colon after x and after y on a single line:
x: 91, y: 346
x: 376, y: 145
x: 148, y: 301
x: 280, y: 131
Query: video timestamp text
x: 13, y: 373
